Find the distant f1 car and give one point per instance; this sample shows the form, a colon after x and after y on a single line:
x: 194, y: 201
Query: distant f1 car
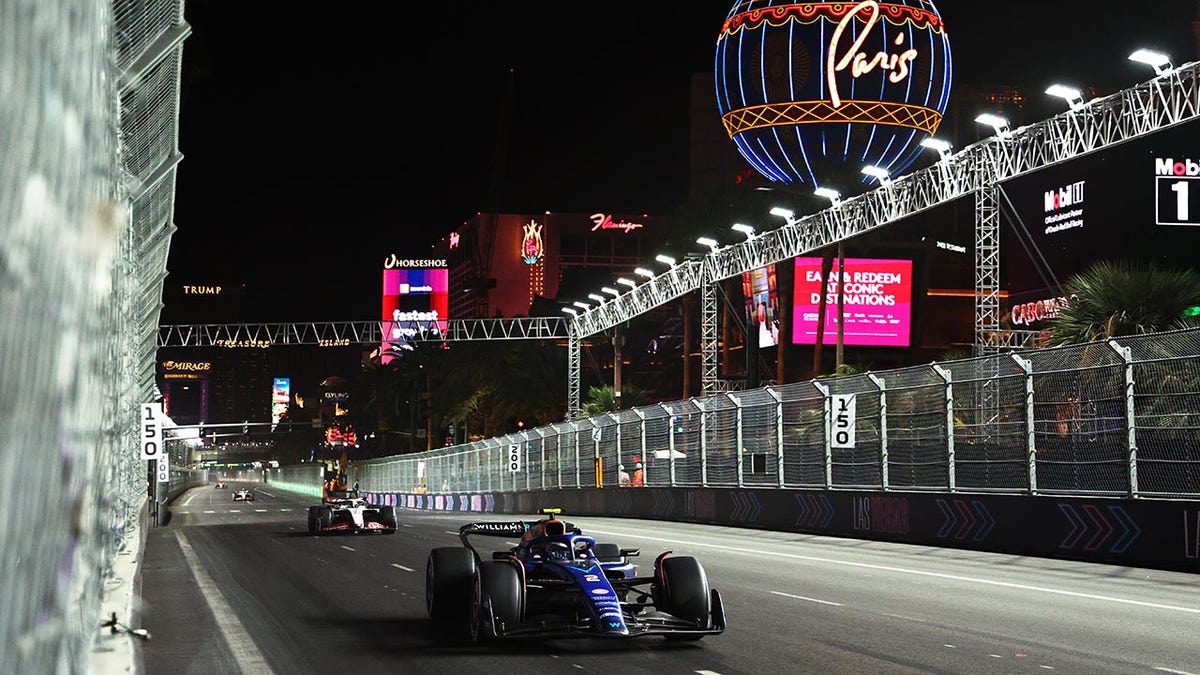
x: 557, y: 583
x: 346, y: 512
x: 220, y: 485
x: 243, y: 495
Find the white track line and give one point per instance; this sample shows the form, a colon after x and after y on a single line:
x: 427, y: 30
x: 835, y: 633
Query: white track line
x: 1164, y: 669
x: 347, y: 548
x: 266, y: 493
x: 903, y: 570
x: 801, y: 597
x: 250, y: 661
x: 402, y: 567
x: 189, y: 499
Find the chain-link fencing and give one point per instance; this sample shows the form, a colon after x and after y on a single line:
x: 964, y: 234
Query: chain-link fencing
x: 88, y: 98
x: 1113, y: 418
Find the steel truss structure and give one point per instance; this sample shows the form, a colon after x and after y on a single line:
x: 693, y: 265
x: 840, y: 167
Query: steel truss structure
x: 1168, y: 100
x: 344, y: 333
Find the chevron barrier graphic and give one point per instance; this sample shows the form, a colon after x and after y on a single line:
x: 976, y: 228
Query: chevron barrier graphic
x: 965, y: 520
x: 664, y: 503
x: 815, y: 511
x: 1093, y: 528
x: 745, y: 506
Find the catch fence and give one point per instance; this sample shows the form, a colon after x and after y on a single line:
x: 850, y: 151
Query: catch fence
x: 1112, y: 418
x: 88, y: 148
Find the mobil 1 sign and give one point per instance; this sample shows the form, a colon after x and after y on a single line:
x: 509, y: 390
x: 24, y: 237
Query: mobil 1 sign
x: 844, y: 414
x: 1177, y: 191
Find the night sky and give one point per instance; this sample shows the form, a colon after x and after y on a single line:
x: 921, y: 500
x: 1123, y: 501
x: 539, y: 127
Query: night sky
x: 317, y: 140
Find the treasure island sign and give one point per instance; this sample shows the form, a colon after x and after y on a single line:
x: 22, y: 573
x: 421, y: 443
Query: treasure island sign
x: 814, y: 91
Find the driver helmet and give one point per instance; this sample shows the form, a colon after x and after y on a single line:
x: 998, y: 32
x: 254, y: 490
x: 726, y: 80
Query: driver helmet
x: 559, y: 550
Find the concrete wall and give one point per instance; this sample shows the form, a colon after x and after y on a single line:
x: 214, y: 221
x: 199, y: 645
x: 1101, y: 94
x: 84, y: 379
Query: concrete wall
x: 1139, y: 533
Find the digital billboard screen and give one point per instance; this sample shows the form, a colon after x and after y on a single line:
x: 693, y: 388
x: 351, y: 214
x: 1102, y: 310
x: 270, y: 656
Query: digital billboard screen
x: 1139, y: 200
x: 760, y: 289
x: 415, y: 306
x: 281, y: 396
x: 877, y: 304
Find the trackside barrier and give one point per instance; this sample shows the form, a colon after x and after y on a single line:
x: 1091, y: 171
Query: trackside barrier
x: 1153, y: 533
x: 1119, y: 418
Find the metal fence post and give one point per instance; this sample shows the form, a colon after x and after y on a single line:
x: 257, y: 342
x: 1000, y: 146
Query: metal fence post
x: 883, y: 435
x: 703, y: 444
x: 1130, y: 420
x: 670, y: 440
x: 642, y: 445
x: 741, y: 448
x: 575, y: 428
x: 950, y: 470
x: 778, y: 431
x: 827, y: 407
x: 1030, y: 431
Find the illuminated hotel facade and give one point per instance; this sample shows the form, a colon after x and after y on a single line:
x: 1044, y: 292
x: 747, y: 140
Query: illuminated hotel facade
x: 501, y: 264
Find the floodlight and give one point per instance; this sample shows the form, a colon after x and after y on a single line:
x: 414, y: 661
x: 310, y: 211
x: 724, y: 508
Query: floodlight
x: 941, y: 147
x: 830, y: 194
x: 597, y: 297
x: 709, y: 242
x: 878, y: 173
x: 786, y: 214
x: 744, y: 229
x: 581, y: 305
x: 643, y: 272
x: 628, y: 282
x: 611, y: 291
x: 1069, y: 94
x: 996, y: 122
x: 1157, y: 60
x: 666, y: 260
x: 571, y: 311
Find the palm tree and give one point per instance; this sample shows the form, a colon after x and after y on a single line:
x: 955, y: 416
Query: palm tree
x: 603, y: 399
x: 1114, y: 298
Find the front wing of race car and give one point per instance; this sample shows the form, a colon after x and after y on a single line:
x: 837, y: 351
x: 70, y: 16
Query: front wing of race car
x: 640, y: 619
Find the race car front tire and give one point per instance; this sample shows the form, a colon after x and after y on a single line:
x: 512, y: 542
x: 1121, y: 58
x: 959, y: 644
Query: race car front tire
x: 500, y: 582
x: 681, y: 590
x: 314, y: 523
x: 324, y: 516
x: 449, y: 587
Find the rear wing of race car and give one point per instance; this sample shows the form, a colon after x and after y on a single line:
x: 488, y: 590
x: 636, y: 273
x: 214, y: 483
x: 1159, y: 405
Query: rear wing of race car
x: 514, y: 528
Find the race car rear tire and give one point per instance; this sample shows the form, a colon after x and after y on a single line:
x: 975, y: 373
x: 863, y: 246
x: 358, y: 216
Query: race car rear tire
x: 387, y: 517
x: 314, y: 523
x: 449, y: 587
x: 681, y: 589
x: 499, y: 581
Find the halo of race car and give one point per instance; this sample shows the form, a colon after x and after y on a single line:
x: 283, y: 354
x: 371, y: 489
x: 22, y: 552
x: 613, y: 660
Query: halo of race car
x: 559, y: 583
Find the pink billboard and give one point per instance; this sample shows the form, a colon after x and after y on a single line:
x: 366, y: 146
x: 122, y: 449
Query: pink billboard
x: 415, y: 307
x: 877, y: 301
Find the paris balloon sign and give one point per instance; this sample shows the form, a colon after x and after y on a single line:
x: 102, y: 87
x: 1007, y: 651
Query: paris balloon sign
x: 813, y: 91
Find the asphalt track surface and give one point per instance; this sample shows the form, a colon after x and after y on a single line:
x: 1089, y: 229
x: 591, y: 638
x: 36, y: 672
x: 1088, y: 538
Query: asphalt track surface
x: 233, y: 587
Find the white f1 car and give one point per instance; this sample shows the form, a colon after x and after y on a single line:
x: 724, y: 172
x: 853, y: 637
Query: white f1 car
x: 347, y: 512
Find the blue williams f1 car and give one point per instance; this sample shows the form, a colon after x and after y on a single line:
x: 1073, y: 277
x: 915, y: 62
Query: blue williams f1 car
x: 558, y: 583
